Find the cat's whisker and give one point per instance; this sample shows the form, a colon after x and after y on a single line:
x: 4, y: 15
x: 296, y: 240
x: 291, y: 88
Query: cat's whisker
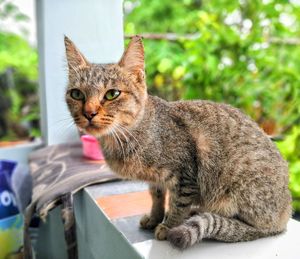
x: 63, y: 129
x: 134, y: 149
x: 124, y: 128
x: 120, y: 143
x: 62, y: 121
x: 120, y: 130
x: 114, y: 138
x: 62, y: 124
x: 126, y: 139
x: 127, y: 131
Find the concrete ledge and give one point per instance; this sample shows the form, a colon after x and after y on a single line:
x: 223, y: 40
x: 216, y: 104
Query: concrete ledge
x: 100, y: 237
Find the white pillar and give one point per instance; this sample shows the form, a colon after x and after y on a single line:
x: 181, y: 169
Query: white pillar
x: 96, y: 27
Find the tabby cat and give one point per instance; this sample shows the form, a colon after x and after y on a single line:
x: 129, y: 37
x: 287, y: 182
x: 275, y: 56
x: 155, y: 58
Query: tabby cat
x: 225, y: 178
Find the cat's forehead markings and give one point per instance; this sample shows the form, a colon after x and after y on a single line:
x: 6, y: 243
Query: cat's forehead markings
x: 108, y: 84
x: 96, y: 77
x: 101, y: 85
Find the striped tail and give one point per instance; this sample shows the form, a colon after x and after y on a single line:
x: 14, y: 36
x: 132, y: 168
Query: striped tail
x: 213, y: 226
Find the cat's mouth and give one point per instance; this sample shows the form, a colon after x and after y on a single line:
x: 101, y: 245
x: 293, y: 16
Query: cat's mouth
x: 92, y: 126
x: 95, y: 130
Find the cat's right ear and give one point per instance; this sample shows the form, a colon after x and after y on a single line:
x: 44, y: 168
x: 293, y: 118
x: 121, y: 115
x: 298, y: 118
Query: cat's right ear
x: 133, y: 58
x: 74, y: 57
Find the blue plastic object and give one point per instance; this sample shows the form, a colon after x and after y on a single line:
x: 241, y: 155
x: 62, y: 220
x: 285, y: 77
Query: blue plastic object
x: 8, y: 204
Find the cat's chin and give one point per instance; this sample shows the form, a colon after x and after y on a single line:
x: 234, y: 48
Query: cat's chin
x: 96, y: 131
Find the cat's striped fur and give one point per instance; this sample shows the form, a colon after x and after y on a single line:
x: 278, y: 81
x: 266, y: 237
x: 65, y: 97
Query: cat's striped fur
x: 226, y: 179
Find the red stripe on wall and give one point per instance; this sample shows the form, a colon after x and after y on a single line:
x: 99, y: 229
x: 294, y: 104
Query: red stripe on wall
x: 125, y: 205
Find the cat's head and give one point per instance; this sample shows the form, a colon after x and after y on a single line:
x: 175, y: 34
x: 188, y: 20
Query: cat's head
x: 104, y: 97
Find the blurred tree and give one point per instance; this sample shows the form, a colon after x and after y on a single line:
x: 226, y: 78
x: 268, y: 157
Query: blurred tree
x: 18, y: 80
x: 290, y: 147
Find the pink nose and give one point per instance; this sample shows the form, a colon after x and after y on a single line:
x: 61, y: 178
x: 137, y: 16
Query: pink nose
x: 90, y: 109
x: 90, y: 114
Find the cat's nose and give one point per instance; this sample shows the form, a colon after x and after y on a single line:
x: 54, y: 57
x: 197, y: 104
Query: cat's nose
x: 90, y: 114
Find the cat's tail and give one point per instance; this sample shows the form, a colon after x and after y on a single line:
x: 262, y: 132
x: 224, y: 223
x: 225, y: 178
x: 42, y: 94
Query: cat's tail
x: 213, y: 226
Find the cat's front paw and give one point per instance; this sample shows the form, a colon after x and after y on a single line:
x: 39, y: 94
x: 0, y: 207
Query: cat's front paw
x: 161, y: 232
x: 148, y: 222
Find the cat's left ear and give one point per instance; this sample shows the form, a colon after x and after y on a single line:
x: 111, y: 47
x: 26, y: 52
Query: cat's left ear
x: 133, y: 59
x: 74, y: 57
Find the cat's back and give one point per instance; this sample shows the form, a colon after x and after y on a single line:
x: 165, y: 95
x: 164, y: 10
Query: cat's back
x: 216, y: 118
x: 233, y: 138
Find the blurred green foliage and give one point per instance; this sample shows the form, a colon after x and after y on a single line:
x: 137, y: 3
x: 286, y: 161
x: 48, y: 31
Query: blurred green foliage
x: 290, y: 149
x: 243, y: 52
x: 16, y: 53
x: 19, y: 116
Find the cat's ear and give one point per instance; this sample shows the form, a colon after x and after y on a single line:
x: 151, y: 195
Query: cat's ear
x: 74, y: 57
x: 133, y: 59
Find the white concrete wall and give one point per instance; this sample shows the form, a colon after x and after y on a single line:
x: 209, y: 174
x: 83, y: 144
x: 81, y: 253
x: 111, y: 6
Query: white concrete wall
x: 96, y: 27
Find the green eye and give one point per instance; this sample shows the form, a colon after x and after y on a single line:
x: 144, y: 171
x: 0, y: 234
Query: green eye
x: 77, y: 94
x: 112, y: 94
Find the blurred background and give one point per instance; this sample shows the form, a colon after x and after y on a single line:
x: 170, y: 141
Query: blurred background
x: 245, y: 53
x: 19, y: 109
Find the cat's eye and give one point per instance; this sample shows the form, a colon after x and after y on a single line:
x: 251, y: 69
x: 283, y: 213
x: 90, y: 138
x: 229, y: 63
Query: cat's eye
x: 77, y: 94
x: 112, y: 94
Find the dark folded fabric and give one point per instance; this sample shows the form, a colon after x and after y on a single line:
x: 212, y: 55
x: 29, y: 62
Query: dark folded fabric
x: 58, y: 171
